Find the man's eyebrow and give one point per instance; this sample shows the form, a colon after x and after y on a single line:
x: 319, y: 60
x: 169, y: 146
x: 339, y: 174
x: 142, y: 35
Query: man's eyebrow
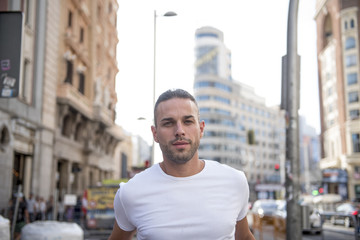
x: 172, y: 119
x: 167, y: 119
x: 189, y: 116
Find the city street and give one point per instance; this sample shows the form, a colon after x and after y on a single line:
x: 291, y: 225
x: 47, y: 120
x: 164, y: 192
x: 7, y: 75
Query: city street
x: 330, y: 233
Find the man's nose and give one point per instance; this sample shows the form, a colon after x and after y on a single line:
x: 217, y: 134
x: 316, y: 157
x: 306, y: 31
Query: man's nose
x: 179, y: 130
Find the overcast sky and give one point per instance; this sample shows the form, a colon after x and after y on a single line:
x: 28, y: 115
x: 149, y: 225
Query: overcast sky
x: 254, y: 31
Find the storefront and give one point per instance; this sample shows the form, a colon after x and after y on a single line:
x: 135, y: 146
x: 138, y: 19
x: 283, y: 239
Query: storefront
x: 335, y: 181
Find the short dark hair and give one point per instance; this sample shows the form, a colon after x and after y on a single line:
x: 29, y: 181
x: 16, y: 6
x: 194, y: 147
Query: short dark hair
x: 170, y: 94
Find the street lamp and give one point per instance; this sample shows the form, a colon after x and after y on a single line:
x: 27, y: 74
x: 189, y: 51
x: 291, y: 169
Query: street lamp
x: 167, y: 14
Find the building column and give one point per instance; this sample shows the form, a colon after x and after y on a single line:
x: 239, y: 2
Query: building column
x: 70, y: 177
x: 27, y: 176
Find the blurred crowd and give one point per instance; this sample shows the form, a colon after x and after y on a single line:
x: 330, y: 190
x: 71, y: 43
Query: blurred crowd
x: 36, y: 208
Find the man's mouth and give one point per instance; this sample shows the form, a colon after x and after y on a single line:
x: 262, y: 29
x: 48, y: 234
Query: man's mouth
x: 180, y: 143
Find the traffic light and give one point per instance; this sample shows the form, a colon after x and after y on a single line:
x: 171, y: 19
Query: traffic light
x: 147, y: 163
x: 315, y: 192
x: 277, y: 167
x: 318, y: 191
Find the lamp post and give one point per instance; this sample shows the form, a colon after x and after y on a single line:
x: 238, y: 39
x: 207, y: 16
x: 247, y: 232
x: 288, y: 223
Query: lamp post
x: 290, y: 100
x: 167, y: 14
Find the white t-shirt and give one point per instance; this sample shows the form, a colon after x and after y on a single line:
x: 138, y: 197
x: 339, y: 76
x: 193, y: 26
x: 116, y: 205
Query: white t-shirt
x: 31, y: 205
x: 205, y: 206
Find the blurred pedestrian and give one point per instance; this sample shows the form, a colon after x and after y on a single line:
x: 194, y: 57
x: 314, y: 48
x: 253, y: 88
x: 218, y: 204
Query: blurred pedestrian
x: 61, y: 210
x: 77, y: 211
x: 31, y: 207
x: 42, y: 209
x: 22, y: 217
x: 182, y: 197
x: 69, y: 213
x: 9, y: 208
x: 37, y: 208
x: 50, y: 208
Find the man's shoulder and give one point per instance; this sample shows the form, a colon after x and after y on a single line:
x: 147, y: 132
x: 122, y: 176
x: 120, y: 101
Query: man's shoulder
x: 143, y: 177
x: 224, y: 172
x: 214, y: 165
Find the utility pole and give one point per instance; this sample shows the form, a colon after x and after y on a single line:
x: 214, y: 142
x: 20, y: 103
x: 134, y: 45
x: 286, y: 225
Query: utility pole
x: 290, y: 102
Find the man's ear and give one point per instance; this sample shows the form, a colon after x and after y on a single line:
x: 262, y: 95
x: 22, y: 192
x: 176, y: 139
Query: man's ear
x: 153, y: 130
x: 202, y: 127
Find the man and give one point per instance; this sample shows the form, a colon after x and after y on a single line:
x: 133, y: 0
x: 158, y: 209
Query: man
x: 22, y: 217
x: 31, y: 207
x: 50, y: 208
x: 183, y: 197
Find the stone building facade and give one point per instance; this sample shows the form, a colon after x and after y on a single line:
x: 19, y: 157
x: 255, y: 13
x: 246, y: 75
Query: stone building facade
x: 59, y: 135
x: 338, y: 42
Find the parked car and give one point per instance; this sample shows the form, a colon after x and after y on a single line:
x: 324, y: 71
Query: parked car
x: 345, y: 214
x: 311, y: 219
x: 262, y: 212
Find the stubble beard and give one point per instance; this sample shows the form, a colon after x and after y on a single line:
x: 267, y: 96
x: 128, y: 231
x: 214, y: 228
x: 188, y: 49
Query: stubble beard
x: 179, y: 156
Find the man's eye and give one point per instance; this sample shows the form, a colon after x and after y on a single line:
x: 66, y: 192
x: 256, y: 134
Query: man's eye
x: 189, y: 121
x: 167, y: 124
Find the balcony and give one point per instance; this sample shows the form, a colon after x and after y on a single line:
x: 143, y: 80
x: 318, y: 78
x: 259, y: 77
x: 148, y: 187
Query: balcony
x: 330, y: 163
x: 66, y: 93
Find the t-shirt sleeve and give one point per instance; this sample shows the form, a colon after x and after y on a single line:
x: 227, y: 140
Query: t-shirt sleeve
x: 244, y: 190
x: 120, y: 213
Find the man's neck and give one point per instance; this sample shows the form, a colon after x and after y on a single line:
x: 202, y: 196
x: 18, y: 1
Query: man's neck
x: 188, y: 169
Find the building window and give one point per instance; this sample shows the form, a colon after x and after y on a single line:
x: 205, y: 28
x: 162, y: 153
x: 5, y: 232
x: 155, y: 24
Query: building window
x: 203, y: 84
x: 346, y: 25
x: 350, y: 43
x: 82, y: 82
x: 352, y: 78
x: 69, y: 71
x: 222, y: 100
x: 69, y: 19
x: 355, y: 137
x: 352, y: 23
x: 222, y: 112
x: 204, y: 110
x: 354, y: 114
x: 4, y: 136
x: 99, y: 11
x: 350, y: 60
x: 66, y: 128
x: 211, y: 35
x: 222, y: 87
x: 202, y: 98
x: 330, y: 108
x: 329, y: 91
x: 79, y: 132
x: 328, y: 29
x: 81, y: 35
x: 353, y: 97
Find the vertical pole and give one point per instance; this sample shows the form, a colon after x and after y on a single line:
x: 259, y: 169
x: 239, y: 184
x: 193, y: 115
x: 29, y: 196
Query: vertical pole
x: 290, y: 102
x: 154, y: 86
x: 15, y: 214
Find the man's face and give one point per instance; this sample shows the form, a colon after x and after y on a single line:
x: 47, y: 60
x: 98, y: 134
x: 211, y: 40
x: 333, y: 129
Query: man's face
x: 178, y: 130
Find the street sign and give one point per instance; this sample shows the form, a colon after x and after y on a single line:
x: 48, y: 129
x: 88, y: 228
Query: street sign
x: 10, y: 53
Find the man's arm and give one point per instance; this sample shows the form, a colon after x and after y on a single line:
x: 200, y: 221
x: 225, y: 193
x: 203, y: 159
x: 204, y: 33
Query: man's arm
x: 27, y: 218
x: 242, y: 230
x: 119, y: 234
